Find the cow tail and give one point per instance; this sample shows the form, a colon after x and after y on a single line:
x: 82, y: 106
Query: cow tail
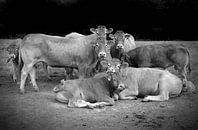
x: 189, y: 67
x: 20, y: 62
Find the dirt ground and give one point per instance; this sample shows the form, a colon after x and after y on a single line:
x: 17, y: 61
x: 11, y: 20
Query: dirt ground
x: 39, y: 110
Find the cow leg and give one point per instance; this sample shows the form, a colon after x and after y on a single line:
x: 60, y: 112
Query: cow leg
x: 33, y: 78
x: 128, y: 95
x: 162, y: 97
x: 79, y: 103
x: 182, y: 71
x: 14, y: 76
x: 68, y: 73
x: 163, y: 85
x: 61, y: 97
x: 46, y: 71
x: 24, y: 74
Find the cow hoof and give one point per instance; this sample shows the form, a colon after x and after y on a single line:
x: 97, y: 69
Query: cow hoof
x: 22, y: 91
x: 36, y: 89
x: 145, y: 100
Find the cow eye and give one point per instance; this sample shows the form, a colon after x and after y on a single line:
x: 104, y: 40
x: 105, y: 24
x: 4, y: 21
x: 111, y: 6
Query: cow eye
x: 97, y: 45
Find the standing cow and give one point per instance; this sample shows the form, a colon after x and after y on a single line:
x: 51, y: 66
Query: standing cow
x: 123, y: 42
x: 80, y: 52
x: 101, y: 31
x: 151, y: 83
x: 162, y: 56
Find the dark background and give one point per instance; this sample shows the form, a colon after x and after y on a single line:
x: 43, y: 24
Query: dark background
x: 144, y: 19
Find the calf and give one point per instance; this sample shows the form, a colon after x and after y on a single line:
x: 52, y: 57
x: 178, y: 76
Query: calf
x: 90, y: 92
x: 150, y: 83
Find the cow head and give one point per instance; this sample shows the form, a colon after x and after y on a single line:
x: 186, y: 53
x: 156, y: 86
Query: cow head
x: 60, y: 86
x: 101, y: 47
x: 114, y: 75
x: 101, y: 30
x: 119, y: 38
x: 13, y: 51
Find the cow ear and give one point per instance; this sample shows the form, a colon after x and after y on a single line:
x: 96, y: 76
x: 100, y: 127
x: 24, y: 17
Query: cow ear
x: 127, y: 35
x: 109, y: 30
x: 62, y: 81
x: 93, y: 30
x: 124, y: 65
x: 112, y: 36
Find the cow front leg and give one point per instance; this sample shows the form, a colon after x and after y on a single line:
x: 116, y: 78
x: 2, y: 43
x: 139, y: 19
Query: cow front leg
x: 128, y: 95
x: 79, y: 103
x: 45, y: 66
x: 62, y: 97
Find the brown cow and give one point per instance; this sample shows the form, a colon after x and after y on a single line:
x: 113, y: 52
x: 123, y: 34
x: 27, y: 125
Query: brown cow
x: 90, y: 92
x: 162, y: 56
x: 123, y: 42
x: 151, y: 83
x: 80, y: 52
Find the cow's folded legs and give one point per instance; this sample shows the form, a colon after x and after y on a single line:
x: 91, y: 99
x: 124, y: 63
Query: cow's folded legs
x: 128, y: 95
x: 161, y: 97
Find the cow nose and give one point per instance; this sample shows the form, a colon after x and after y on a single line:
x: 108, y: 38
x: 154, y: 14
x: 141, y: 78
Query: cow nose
x: 102, y: 55
x: 111, y: 69
x: 121, y: 87
x: 120, y: 46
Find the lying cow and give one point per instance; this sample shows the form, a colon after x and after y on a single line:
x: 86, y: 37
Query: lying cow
x: 90, y: 92
x: 80, y: 52
x: 162, y: 56
x: 150, y: 83
x: 123, y: 42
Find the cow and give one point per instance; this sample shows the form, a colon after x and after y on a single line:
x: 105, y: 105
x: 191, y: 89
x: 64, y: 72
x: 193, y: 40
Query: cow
x: 13, y: 50
x: 151, y: 83
x: 80, y: 52
x: 90, y: 92
x: 161, y: 56
x: 101, y: 30
x: 123, y: 42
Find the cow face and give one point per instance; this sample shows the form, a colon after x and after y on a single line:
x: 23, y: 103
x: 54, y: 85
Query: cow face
x: 101, y: 30
x: 115, y: 65
x: 60, y: 86
x: 116, y: 80
x: 100, y: 47
x: 119, y: 38
x: 13, y: 51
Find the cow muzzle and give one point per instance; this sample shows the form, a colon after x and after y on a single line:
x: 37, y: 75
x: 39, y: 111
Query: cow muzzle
x: 121, y: 87
x: 120, y: 46
x: 102, y: 54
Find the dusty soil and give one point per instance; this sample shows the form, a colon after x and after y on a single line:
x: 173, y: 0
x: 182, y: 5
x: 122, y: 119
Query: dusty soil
x: 39, y: 110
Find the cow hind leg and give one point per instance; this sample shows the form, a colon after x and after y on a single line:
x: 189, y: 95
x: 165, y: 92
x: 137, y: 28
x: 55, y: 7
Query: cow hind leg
x: 161, y: 97
x: 24, y: 74
x: 163, y: 92
x: 33, y: 78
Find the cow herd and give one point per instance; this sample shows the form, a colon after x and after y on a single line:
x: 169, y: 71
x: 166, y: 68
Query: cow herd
x: 100, y: 71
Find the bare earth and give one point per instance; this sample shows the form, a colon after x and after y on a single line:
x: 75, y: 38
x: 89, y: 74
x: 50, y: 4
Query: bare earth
x: 39, y: 110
